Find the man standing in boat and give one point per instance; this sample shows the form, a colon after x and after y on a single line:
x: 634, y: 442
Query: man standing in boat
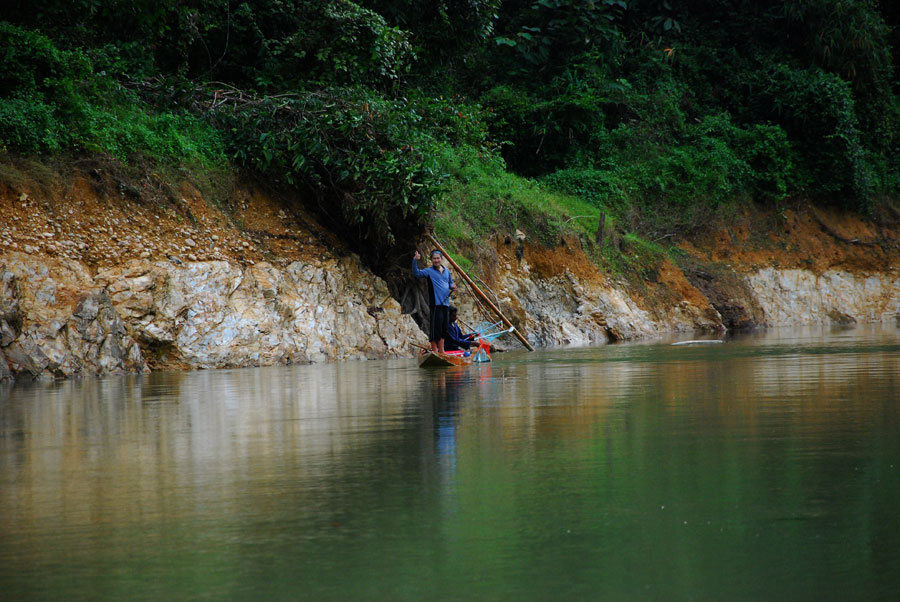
x: 440, y: 285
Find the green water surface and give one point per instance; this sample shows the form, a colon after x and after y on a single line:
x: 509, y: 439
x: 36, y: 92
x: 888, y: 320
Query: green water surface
x: 764, y: 468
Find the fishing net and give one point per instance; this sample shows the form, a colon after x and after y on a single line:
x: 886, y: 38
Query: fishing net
x: 488, y: 331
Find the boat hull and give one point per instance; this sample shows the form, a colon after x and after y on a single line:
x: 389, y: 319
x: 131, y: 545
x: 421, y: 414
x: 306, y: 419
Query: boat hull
x: 431, y: 359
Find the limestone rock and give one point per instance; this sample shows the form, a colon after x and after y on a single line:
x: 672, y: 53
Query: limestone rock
x: 216, y: 314
x: 6, y: 374
x: 10, y: 317
x: 563, y: 310
x: 57, y: 324
x: 796, y: 296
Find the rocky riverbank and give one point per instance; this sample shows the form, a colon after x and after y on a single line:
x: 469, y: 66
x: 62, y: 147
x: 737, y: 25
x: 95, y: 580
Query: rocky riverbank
x: 559, y: 298
x: 59, y: 321
x: 97, y: 279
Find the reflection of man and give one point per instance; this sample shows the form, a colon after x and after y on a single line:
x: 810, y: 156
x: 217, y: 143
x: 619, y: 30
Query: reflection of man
x: 456, y: 340
x: 448, y: 394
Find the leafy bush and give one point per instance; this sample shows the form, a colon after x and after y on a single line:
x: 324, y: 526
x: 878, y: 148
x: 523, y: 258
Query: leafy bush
x: 767, y: 170
x: 30, y: 63
x: 445, y: 29
x: 817, y: 109
x: 56, y: 101
x: 600, y: 187
x: 700, y: 169
x: 455, y: 121
x: 40, y: 84
x: 123, y: 129
x: 28, y: 124
x: 363, y: 158
x: 338, y: 42
x: 682, y: 173
x: 828, y: 130
x: 766, y: 150
x: 539, y: 134
x: 545, y: 34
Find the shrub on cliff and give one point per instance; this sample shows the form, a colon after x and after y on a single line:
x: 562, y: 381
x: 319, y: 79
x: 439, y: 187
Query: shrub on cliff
x: 57, y: 100
x: 369, y: 163
x: 674, y: 177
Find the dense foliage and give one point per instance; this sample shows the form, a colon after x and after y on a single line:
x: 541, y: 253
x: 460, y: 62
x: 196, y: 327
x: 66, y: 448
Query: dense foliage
x: 653, y: 111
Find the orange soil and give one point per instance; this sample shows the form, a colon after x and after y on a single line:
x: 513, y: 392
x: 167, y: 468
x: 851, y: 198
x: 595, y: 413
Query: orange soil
x: 672, y: 279
x: 96, y: 219
x: 814, y: 238
x: 79, y: 219
x: 549, y: 262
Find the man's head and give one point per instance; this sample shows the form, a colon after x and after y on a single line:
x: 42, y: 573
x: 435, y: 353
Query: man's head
x: 452, y: 313
x: 436, y: 258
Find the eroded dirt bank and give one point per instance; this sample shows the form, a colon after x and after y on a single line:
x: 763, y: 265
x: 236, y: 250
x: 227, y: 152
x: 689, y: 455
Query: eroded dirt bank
x: 802, y: 266
x: 101, y: 275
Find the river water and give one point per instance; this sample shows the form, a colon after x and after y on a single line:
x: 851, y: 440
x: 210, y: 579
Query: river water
x: 764, y: 468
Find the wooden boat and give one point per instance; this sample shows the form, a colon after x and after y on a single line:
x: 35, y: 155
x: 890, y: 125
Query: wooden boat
x: 433, y: 359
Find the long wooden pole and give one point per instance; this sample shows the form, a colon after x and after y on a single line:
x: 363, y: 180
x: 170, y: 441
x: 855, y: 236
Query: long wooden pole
x: 481, y: 295
x: 419, y: 346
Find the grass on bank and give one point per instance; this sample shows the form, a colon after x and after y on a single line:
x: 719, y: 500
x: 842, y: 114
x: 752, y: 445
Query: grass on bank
x: 482, y: 199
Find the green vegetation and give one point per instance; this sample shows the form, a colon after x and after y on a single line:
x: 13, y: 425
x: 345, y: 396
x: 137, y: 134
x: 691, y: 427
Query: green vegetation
x: 55, y: 100
x: 486, y: 198
x: 476, y: 115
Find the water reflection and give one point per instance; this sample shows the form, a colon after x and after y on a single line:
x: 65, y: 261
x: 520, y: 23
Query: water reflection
x: 759, y: 468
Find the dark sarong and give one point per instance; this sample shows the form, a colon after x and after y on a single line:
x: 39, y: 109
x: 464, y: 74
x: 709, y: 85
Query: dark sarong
x: 440, y: 320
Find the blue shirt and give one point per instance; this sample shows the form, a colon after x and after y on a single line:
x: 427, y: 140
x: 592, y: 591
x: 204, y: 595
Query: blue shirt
x: 439, y: 283
x: 455, y: 338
